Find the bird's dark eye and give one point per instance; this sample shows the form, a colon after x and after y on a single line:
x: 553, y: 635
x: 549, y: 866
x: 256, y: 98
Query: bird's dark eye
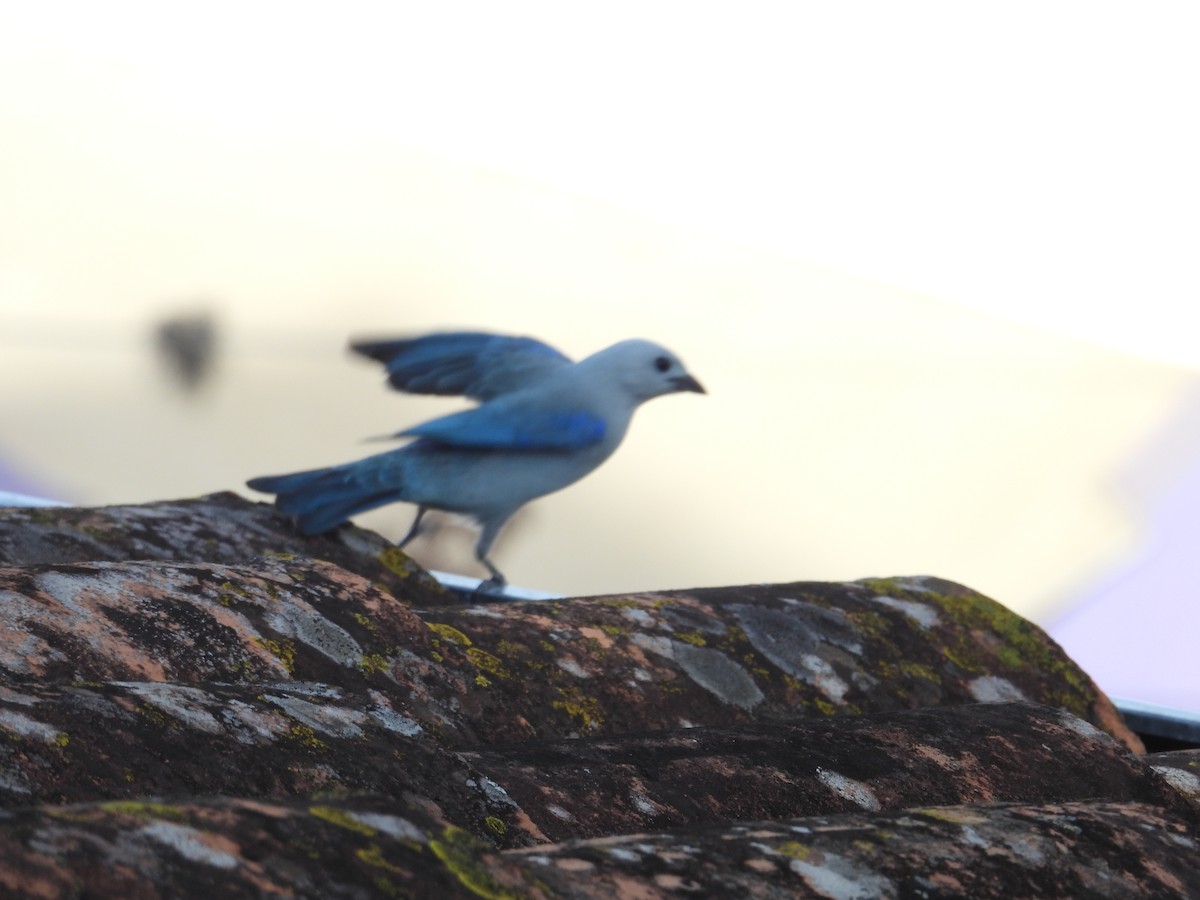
x: 662, y: 364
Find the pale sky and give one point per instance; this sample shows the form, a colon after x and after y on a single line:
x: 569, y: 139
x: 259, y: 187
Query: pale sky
x: 1035, y: 159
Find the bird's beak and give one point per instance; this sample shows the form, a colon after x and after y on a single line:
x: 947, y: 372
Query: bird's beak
x: 688, y: 383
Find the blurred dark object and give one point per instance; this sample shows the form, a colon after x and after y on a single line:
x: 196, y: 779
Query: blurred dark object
x: 1162, y: 728
x: 188, y: 347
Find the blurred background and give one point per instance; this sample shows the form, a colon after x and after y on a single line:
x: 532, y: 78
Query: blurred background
x: 936, y: 264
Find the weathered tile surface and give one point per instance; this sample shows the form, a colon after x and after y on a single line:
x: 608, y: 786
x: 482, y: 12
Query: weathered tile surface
x: 989, y: 753
x: 605, y: 665
x: 1074, y: 850
x: 197, y: 701
x: 220, y: 528
x: 1181, y: 768
x: 224, y: 847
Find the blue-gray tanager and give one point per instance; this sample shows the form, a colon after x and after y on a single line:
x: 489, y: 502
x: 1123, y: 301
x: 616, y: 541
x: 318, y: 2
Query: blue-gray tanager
x: 543, y: 423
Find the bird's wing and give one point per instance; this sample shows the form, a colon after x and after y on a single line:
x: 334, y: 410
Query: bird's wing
x: 474, y: 364
x: 495, y: 427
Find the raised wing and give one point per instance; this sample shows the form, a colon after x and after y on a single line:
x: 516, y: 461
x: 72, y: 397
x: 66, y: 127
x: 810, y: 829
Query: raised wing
x: 472, y: 363
x: 488, y: 427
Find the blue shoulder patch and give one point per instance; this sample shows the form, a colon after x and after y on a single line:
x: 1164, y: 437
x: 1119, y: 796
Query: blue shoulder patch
x: 485, y: 428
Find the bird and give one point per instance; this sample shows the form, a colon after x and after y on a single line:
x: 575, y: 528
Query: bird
x: 542, y: 423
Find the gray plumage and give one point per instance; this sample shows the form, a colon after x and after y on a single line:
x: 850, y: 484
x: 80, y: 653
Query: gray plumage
x: 543, y: 423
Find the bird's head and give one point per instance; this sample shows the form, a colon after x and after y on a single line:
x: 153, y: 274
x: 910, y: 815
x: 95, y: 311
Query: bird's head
x: 644, y: 369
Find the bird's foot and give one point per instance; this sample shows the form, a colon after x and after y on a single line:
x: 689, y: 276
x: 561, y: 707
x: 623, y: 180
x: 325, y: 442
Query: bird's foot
x: 494, y: 586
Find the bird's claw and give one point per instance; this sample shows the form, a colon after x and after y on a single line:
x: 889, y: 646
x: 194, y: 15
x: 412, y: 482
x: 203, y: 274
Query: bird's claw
x: 494, y: 586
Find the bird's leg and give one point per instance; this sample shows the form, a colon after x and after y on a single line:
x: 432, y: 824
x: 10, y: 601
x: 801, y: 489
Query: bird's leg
x: 491, y: 528
x: 415, y: 529
x: 495, y: 584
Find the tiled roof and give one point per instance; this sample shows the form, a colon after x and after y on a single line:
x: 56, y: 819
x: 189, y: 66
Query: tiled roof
x: 195, y: 699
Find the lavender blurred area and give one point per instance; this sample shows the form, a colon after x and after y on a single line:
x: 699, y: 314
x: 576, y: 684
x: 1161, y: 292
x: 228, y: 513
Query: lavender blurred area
x: 1133, y: 625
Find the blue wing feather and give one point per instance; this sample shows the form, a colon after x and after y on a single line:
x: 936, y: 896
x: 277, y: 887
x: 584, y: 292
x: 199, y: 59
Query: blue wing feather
x: 472, y: 363
x: 485, y: 427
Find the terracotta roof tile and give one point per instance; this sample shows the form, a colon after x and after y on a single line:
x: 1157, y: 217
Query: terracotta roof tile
x: 196, y: 699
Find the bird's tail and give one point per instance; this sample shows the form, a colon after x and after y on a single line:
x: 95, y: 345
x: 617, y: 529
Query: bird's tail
x: 322, y: 499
